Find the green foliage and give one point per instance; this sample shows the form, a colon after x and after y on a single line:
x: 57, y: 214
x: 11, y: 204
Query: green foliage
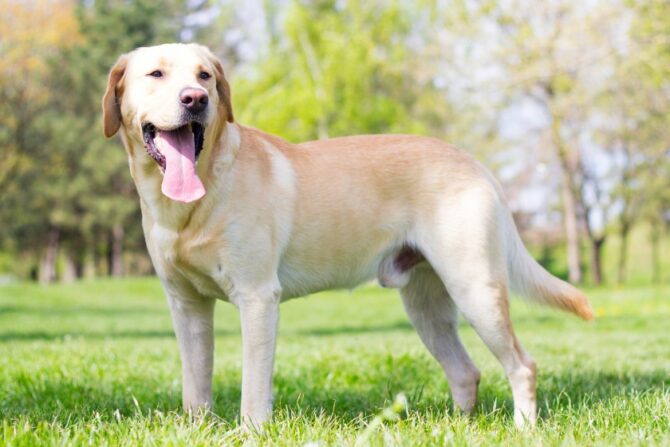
x: 337, y: 71
x: 650, y: 27
x: 97, y: 363
x: 96, y: 191
x: 74, y: 180
x: 334, y: 68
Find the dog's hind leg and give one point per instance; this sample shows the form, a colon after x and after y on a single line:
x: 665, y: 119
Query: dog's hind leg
x: 433, y: 314
x: 484, y: 305
x: 470, y: 235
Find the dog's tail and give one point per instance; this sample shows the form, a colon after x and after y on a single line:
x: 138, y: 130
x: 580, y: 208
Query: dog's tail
x: 531, y: 280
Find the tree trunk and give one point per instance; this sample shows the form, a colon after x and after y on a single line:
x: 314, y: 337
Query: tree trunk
x: 570, y: 217
x: 89, y: 269
x: 596, y: 259
x: 623, y: 253
x: 655, y: 253
x: 596, y: 242
x: 69, y: 274
x: 116, y: 252
x: 570, y: 220
x: 102, y: 260
x: 47, y: 272
x: 627, y: 216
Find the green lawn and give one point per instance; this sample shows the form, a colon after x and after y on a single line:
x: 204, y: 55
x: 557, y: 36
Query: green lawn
x: 97, y: 363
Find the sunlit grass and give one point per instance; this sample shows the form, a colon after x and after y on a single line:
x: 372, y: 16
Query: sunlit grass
x: 96, y: 363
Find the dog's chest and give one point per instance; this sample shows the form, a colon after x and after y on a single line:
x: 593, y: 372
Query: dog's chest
x: 194, y: 257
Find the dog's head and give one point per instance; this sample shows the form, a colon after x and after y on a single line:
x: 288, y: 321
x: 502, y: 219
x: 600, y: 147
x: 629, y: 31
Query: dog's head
x: 169, y: 97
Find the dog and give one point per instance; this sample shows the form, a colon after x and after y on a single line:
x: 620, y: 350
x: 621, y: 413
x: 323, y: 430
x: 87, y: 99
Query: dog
x: 232, y: 213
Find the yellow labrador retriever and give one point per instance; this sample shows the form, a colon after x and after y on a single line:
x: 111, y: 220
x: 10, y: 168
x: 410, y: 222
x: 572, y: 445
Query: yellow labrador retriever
x: 230, y: 212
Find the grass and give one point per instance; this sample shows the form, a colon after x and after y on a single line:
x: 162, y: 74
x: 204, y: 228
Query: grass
x: 96, y: 363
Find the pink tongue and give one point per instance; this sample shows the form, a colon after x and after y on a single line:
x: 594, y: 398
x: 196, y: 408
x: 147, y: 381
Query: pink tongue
x: 180, y: 181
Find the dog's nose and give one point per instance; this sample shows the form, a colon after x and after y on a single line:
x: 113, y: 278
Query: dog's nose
x: 195, y: 100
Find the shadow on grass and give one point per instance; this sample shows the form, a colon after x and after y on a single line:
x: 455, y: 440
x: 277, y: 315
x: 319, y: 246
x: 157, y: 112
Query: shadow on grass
x: 575, y: 391
x: 10, y: 336
x: 67, y: 402
x: 87, y: 335
x: 77, y: 310
x: 400, y: 325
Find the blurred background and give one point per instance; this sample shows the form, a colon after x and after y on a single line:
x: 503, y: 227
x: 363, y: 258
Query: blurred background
x: 566, y: 101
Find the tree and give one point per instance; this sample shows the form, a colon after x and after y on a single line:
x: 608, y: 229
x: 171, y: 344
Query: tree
x: 557, y: 55
x: 29, y: 31
x: 651, y: 69
x: 332, y: 71
x: 98, y: 200
x: 75, y: 185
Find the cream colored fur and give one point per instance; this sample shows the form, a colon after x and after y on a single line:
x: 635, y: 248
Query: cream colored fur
x: 281, y: 220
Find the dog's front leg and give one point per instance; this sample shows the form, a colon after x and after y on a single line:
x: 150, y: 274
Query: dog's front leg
x: 193, y: 319
x: 259, y: 314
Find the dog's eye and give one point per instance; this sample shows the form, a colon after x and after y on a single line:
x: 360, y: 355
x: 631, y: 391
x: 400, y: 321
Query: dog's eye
x: 156, y: 74
x: 204, y: 75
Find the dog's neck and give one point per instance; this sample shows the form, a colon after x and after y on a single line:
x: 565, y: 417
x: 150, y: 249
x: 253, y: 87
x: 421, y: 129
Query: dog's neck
x: 215, y: 160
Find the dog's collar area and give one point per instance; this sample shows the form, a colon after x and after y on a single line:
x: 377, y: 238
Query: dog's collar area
x: 149, y: 134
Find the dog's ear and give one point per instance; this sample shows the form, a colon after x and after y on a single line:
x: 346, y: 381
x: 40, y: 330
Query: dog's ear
x: 111, y: 102
x: 222, y: 89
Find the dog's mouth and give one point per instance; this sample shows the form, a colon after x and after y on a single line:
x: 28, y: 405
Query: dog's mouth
x: 176, y: 152
x: 149, y: 133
